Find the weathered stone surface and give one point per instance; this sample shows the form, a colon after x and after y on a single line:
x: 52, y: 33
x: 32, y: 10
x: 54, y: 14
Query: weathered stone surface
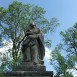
x: 28, y: 74
x: 28, y: 66
x: 27, y: 69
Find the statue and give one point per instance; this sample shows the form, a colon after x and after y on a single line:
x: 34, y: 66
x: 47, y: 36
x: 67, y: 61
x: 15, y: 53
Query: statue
x: 33, y: 45
x: 33, y: 53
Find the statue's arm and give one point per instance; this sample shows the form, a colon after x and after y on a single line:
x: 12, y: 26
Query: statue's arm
x: 23, y: 38
x: 35, y: 35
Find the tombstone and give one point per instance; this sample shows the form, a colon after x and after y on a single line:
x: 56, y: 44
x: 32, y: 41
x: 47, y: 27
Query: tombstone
x: 33, y: 53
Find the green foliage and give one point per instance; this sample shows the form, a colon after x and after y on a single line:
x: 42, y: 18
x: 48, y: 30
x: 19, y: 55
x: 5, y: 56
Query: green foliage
x: 5, y: 62
x: 1, y: 73
x: 62, y: 64
x: 48, y: 43
x: 0, y: 37
x: 70, y: 39
x: 18, y: 16
x: 64, y: 55
x: 14, y: 21
x: 50, y: 26
x: 2, y: 13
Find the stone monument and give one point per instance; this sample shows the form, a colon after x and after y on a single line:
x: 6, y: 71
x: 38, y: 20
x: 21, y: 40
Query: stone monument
x: 33, y: 53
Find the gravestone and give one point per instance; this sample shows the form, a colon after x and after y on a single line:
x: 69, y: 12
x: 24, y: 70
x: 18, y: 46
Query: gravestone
x: 33, y: 53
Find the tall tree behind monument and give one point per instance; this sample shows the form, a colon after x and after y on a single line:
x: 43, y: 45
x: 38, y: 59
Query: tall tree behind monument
x: 17, y: 16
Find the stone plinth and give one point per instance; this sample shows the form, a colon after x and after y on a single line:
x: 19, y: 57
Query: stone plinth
x: 28, y: 74
x: 27, y: 69
x: 28, y: 66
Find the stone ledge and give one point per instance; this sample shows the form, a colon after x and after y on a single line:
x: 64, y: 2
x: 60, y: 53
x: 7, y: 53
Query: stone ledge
x: 30, y: 73
x: 29, y: 68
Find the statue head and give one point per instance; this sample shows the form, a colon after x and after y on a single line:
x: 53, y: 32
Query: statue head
x: 32, y: 25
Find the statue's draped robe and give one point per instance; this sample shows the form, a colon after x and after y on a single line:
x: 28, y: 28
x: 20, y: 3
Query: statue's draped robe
x: 37, y: 42
x: 41, y: 46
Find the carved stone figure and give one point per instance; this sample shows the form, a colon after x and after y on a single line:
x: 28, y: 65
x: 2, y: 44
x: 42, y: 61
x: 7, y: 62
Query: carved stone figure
x: 33, y: 45
x: 33, y: 53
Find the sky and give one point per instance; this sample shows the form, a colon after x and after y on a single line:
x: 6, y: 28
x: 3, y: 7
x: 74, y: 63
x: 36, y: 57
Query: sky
x: 64, y: 10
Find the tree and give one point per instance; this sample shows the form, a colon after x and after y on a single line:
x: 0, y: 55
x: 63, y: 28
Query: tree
x: 64, y: 62
x: 70, y: 39
x: 16, y: 18
x: 61, y: 63
x: 5, y: 60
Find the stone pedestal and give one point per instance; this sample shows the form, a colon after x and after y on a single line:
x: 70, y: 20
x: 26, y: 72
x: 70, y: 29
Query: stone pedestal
x: 27, y: 69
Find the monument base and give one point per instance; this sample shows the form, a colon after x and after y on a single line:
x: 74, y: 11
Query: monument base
x: 27, y: 69
x: 28, y: 74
